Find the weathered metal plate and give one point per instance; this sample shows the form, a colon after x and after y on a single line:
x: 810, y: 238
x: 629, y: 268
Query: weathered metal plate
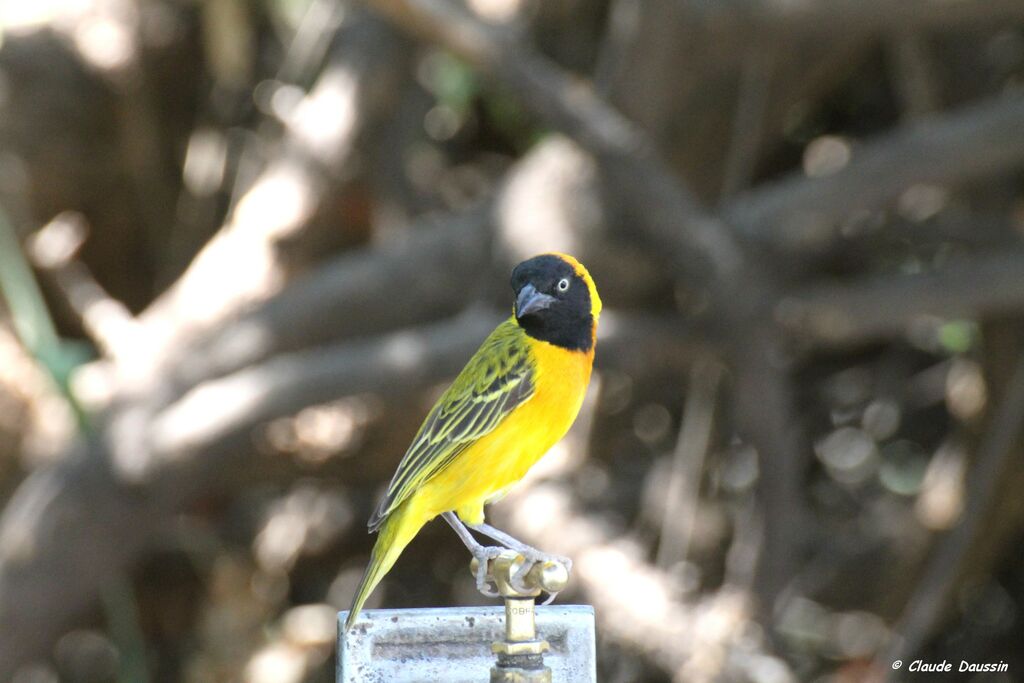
x: 453, y: 645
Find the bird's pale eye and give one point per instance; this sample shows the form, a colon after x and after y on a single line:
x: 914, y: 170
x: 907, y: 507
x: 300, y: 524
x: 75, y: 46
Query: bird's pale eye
x: 563, y: 285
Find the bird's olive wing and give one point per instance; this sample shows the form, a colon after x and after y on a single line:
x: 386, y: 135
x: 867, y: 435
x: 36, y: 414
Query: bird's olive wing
x: 497, y: 379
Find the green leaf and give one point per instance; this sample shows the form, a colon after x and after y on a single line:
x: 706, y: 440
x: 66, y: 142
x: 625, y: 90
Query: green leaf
x: 31, y: 318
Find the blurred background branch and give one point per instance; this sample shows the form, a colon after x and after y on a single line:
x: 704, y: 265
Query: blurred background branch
x: 265, y: 234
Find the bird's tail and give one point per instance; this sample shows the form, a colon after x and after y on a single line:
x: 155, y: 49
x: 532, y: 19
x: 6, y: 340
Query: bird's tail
x: 398, y: 529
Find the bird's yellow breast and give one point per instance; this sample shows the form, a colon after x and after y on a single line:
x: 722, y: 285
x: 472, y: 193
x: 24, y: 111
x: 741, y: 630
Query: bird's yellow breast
x: 485, y: 470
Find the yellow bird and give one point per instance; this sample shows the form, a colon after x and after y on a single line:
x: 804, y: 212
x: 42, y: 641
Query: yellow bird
x: 517, y: 396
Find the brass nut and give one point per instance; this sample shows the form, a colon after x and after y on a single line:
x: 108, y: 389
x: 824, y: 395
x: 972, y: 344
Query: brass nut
x: 500, y: 675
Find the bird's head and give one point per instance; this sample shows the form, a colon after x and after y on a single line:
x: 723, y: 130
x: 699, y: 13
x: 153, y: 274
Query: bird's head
x: 556, y: 301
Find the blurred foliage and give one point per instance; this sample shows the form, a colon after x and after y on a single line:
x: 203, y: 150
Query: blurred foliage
x: 160, y: 121
x: 31, y: 318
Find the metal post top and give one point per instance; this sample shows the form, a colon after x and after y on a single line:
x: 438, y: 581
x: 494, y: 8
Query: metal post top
x: 453, y: 644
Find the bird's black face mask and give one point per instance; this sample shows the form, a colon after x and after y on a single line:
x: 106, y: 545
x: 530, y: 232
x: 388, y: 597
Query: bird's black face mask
x: 553, y: 302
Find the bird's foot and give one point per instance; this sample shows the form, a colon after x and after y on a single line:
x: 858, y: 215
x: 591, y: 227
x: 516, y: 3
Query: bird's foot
x: 532, y: 557
x: 483, y: 554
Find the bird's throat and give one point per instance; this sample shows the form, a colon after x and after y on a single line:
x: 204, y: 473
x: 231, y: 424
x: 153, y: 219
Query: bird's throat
x: 571, y: 334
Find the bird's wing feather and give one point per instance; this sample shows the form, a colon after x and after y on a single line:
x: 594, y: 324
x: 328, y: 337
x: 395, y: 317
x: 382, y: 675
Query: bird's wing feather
x: 496, y: 380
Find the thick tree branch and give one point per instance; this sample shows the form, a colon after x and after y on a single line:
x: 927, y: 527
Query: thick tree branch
x: 883, y: 305
x: 767, y: 417
x: 949, y: 149
x: 210, y: 427
x: 430, y: 276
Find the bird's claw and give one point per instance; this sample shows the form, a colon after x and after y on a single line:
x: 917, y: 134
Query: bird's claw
x: 483, y: 555
x: 530, y: 559
x: 550, y: 599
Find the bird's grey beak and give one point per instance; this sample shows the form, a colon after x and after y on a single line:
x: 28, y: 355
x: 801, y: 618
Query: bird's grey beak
x: 530, y: 301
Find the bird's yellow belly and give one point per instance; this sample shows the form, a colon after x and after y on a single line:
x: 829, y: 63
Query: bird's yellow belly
x: 500, y: 459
